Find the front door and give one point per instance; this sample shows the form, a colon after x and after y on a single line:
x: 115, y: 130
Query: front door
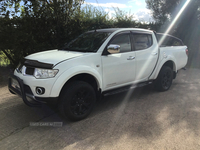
x: 119, y: 68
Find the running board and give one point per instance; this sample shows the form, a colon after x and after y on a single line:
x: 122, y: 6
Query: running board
x: 126, y: 88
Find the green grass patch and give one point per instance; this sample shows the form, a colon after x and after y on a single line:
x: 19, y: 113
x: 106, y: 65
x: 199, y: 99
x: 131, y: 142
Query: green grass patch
x: 4, y: 60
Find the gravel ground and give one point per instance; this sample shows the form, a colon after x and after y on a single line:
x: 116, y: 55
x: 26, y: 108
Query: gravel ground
x: 4, y: 73
x: 141, y: 119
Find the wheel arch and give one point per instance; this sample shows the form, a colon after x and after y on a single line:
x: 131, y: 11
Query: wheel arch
x: 73, y: 73
x: 86, y: 77
x: 170, y: 63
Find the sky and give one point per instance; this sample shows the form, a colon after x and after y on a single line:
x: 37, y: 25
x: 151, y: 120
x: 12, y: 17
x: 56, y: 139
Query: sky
x: 135, y: 7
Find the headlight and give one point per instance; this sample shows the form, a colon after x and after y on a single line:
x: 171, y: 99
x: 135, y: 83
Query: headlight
x: 45, y: 73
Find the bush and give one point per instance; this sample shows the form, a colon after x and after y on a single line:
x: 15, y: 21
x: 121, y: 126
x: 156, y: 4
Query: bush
x: 44, y: 26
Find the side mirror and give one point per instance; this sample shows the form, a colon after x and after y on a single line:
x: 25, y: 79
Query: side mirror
x: 113, y: 49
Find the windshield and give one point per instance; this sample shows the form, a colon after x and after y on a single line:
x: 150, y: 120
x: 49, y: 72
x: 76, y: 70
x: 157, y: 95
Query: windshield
x: 87, y: 42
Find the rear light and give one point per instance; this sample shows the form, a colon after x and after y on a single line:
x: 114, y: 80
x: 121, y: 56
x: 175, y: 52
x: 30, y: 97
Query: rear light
x: 186, y: 51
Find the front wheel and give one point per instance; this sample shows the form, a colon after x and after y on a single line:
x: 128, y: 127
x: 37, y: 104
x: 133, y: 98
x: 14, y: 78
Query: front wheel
x: 164, y: 79
x: 77, y: 100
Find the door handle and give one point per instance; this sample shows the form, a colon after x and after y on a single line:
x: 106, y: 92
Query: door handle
x: 131, y: 58
x: 154, y: 53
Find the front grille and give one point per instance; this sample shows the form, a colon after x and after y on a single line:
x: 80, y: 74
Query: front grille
x: 30, y: 71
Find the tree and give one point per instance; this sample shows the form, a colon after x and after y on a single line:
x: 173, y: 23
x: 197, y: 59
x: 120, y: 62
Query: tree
x: 30, y: 26
x: 164, y: 10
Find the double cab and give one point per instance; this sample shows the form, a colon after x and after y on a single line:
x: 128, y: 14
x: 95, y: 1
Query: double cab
x: 98, y: 62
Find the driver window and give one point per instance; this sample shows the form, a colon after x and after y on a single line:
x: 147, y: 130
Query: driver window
x: 123, y: 40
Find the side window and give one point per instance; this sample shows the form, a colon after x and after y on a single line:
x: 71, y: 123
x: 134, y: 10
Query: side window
x: 176, y: 42
x: 168, y: 40
x: 123, y: 40
x: 142, y: 41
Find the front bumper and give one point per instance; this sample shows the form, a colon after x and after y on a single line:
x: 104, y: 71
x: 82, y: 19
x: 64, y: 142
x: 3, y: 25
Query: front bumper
x: 16, y: 86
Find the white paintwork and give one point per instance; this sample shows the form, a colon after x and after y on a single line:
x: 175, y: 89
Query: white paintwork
x: 110, y: 71
x: 54, y: 56
x: 175, y: 54
x: 146, y: 61
x: 117, y: 70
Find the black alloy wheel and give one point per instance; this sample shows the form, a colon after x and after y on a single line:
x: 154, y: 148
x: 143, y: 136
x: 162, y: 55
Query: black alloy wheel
x: 164, y: 79
x: 77, y: 100
x: 81, y: 102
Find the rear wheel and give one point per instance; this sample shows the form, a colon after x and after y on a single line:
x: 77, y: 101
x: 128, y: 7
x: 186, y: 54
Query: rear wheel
x: 164, y: 79
x: 77, y: 100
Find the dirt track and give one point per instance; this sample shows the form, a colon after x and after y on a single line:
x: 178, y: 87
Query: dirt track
x: 144, y: 119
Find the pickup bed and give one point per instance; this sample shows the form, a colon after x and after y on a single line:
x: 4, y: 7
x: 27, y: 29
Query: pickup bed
x: 98, y: 62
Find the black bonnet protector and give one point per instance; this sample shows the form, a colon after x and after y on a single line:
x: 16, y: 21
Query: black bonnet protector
x: 37, y: 64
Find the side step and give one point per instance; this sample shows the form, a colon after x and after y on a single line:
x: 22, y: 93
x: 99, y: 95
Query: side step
x: 126, y: 88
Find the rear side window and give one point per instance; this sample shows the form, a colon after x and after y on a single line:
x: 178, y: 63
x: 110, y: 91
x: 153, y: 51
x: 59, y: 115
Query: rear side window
x: 176, y: 42
x: 142, y: 41
x: 166, y: 40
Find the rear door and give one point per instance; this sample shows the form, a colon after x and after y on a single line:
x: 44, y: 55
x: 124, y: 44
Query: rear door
x: 146, y: 53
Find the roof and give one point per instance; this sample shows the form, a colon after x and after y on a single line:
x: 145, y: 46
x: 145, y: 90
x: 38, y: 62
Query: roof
x: 105, y: 30
x: 116, y: 29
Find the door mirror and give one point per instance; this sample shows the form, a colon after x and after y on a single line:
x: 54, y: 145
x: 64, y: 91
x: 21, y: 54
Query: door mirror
x: 113, y: 49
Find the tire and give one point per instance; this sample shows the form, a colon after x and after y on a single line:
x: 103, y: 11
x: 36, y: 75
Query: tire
x: 77, y: 100
x: 164, y: 79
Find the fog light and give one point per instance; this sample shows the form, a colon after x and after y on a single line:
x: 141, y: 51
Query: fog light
x: 40, y: 90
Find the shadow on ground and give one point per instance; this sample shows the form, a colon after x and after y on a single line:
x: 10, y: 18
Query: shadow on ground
x: 141, y: 118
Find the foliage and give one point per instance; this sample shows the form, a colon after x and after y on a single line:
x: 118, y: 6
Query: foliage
x: 35, y: 26
x: 29, y: 26
x: 4, y: 61
x: 164, y: 12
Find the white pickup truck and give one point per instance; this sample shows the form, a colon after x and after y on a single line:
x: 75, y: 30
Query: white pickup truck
x: 98, y: 62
